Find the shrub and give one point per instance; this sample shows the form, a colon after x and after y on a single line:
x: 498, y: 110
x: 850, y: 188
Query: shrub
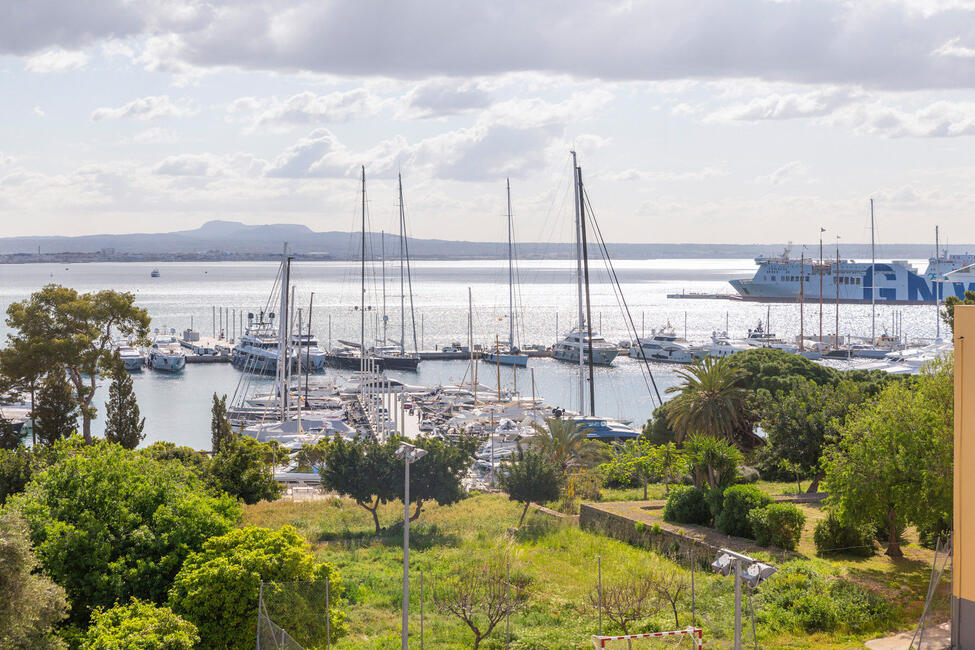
x: 640, y: 526
x: 655, y: 529
x: 737, y: 502
x: 929, y: 532
x: 833, y: 535
x: 687, y: 505
x: 139, y: 626
x: 748, y: 474
x: 777, y: 524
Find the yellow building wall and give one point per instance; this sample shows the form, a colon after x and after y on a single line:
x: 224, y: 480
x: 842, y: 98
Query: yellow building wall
x: 963, y: 573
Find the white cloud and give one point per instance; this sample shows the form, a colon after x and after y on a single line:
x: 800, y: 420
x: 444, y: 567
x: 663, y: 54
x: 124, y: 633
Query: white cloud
x: 146, y: 108
x: 154, y: 135
x: 57, y: 60
x: 39, y: 112
x: 666, y: 176
x: 954, y: 48
x: 305, y: 108
x: 815, y: 103
x: 941, y: 119
x: 209, y: 165
x: 5, y: 159
x: 442, y: 97
x: 787, y: 173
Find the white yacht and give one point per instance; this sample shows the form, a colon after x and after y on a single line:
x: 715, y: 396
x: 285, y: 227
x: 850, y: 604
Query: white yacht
x: 306, y: 346
x: 258, y: 348
x: 133, y: 357
x: 720, y: 346
x: 759, y: 338
x: 663, y: 345
x: 166, y: 354
x: 567, y: 349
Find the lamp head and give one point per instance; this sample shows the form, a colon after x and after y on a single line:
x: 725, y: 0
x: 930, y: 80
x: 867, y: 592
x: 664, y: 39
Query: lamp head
x: 757, y: 573
x: 723, y: 564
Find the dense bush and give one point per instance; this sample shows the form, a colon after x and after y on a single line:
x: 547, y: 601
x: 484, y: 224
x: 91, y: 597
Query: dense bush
x: 748, y: 474
x: 738, y: 501
x: 799, y: 598
x: 687, y: 505
x: 777, y: 524
x: 217, y: 588
x: 833, y: 535
x: 15, y: 471
x: 109, y: 524
x: 929, y: 532
x: 139, y: 626
x: 241, y: 469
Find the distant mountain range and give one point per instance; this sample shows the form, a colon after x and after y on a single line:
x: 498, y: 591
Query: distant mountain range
x: 238, y: 238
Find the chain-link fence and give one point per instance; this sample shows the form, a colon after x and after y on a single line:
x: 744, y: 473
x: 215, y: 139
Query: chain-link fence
x: 296, y: 616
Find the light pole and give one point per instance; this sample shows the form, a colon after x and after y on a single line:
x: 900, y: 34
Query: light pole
x: 410, y: 454
x: 745, y: 568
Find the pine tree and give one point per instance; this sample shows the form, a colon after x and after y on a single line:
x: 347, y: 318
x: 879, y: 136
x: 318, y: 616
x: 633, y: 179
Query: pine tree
x: 122, y: 422
x: 220, y: 431
x: 56, y: 410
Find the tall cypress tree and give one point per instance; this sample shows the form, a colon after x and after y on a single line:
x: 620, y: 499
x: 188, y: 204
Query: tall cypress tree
x: 220, y: 432
x: 56, y: 409
x: 122, y: 422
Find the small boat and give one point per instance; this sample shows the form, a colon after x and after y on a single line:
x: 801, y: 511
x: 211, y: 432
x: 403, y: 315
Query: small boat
x: 166, y: 354
x: 155, y: 273
x: 720, y: 346
x: 604, y: 429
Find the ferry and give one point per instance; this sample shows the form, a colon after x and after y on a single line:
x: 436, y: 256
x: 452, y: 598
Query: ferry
x: 779, y: 278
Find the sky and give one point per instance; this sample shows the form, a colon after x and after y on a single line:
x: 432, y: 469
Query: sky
x: 753, y: 121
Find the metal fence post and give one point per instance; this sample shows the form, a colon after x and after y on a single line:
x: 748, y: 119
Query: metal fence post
x: 260, y: 603
x: 421, y: 609
x: 599, y: 562
x: 328, y: 617
x: 507, y: 606
x: 693, y: 613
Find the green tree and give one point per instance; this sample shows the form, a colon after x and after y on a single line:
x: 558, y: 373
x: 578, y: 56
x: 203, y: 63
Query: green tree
x: 657, y: 429
x: 774, y: 370
x: 75, y: 331
x: 195, y: 461
x: 11, y: 435
x: 799, y: 423
x: 567, y: 444
x: 363, y: 470
x: 714, y: 463
x: 531, y: 478
x: 217, y: 587
x: 310, y: 456
x: 220, y: 431
x: 139, y: 626
x: 122, y: 422
x: 711, y: 400
x: 56, y: 408
x: 31, y: 603
x: 893, y: 460
x: 109, y: 524
x: 21, y: 368
x: 15, y: 471
x: 671, y: 464
x: 948, y: 311
x: 241, y: 469
x: 438, y: 475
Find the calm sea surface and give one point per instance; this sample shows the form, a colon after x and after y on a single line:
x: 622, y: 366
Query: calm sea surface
x: 177, y: 407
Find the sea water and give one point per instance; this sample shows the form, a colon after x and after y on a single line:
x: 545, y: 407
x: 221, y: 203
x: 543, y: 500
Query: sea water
x: 176, y: 407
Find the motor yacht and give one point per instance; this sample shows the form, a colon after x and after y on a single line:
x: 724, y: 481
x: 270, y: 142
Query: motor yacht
x: 257, y: 350
x: 663, y: 345
x: 603, y: 353
x: 166, y: 354
x: 133, y: 357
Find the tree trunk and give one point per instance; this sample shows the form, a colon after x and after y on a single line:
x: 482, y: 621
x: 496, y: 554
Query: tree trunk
x: 33, y: 426
x: 893, y: 544
x: 416, y: 513
x: 523, y: 513
x: 814, y: 486
x: 644, y: 490
x: 374, y: 511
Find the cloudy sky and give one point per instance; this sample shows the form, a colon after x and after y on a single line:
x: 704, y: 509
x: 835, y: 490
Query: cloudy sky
x: 699, y: 120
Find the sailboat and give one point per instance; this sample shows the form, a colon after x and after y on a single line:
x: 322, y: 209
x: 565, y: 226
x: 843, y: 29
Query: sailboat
x: 509, y: 354
x: 582, y: 345
x: 358, y: 356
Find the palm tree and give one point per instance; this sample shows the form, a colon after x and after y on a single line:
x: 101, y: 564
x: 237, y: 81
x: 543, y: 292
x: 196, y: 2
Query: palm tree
x: 566, y: 444
x: 710, y: 400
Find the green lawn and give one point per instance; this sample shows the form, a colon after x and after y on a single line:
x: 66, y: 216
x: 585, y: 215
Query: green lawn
x: 561, y: 561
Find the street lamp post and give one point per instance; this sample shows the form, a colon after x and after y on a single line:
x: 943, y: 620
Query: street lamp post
x: 745, y: 568
x: 410, y: 454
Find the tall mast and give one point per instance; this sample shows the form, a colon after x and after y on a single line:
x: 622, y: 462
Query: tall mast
x: 382, y: 240
x: 585, y: 258
x: 283, y: 331
x: 836, y: 280
x: 362, y: 280
x: 582, y: 325
x: 873, y: 281
x: 402, y: 257
x: 511, y: 275
x: 822, y: 270
x: 802, y: 286
x: 937, y: 285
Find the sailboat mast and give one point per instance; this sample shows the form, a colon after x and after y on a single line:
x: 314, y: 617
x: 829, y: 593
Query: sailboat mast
x: 585, y: 258
x: 283, y: 331
x: 836, y: 279
x: 402, y: 257
x: 511, y: 275
x: 382, y: 244
x: 936, y: 285
x: 873, y: 281
x: 802, y: 285
x: 822, y: 270
x: 575, y: 192
x: 362, y: 281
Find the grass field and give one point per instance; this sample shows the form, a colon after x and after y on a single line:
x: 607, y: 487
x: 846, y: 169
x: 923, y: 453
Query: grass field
x: 561, y: 562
